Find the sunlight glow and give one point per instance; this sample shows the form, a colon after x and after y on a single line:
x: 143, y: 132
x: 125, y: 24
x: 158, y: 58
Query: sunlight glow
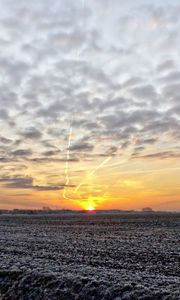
x: 90, y: 206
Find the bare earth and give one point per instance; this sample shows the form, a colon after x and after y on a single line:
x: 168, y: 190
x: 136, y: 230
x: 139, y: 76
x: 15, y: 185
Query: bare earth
x: 125, y: 256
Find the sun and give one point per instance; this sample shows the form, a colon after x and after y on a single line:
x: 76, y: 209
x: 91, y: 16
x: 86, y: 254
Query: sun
x: 90, y: 206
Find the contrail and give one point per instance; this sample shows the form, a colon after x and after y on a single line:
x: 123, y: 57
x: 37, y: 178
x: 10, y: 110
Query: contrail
x: 99, y: 166
x: 77, y: 52
x: 67, y: 164
x: 93, y: 171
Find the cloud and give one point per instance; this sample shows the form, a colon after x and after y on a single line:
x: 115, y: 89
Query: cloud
x: 144, y: 93
x: 141, y: 141
x: 17, y: 182
x: 22, y: 152
x: 31, y: 133
x: 20, y: 182
x: 110, y: 71
x: 159, y: 155
x: 52, y: 159
x: 81, y: 147
x: 4, y: 114
x: 4, y: 140
x: 50, y: 153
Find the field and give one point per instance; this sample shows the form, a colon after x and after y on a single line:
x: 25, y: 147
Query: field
x: 122, y: 256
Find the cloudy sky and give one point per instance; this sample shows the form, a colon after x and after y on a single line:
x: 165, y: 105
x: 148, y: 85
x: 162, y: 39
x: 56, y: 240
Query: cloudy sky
x: 89, y: 104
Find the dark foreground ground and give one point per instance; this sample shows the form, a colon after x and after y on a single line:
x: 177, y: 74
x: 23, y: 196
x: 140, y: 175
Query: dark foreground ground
x: 126, y: 256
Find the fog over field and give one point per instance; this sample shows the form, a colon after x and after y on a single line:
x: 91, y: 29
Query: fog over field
x: 123, y: 256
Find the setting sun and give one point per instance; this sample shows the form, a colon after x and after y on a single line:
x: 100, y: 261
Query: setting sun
x: 90, y: 206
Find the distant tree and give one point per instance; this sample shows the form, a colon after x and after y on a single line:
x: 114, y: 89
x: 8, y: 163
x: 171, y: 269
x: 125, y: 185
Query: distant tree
x: 46, y: 208
x: 147, y: 209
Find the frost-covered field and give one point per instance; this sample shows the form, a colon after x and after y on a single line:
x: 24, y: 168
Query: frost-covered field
x: 125, y: 256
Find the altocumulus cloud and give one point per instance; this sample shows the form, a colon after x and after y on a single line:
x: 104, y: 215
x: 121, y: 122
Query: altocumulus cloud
x: 111, y: 71
x: 26, y: 182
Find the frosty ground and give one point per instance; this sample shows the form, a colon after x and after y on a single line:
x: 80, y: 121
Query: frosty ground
x: 122, y: 256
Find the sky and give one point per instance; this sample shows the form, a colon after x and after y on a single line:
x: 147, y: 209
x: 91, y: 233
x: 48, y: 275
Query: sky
x: 89, y: 104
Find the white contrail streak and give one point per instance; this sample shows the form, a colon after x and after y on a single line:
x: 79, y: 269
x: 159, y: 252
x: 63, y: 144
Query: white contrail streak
x: 99, y: 166
x: 67, y: 164
x: 93, y: 171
